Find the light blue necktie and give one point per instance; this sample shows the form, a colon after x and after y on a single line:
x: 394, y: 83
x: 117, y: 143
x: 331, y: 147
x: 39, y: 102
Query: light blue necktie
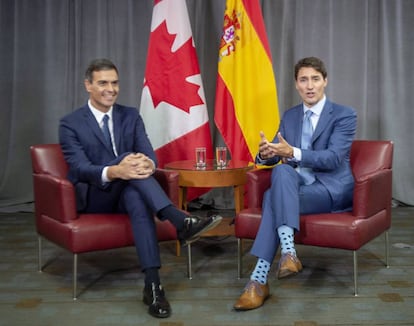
x: 307, y: 132
x: 106, y: 132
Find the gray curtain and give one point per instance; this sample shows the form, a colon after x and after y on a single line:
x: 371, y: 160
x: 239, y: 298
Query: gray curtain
x: 368, y: 46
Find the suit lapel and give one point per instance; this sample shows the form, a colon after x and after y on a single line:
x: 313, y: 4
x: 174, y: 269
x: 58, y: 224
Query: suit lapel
x: 117, y: 117
x: 94, y: 126
x: 326, y: 115
x: 299, y: 117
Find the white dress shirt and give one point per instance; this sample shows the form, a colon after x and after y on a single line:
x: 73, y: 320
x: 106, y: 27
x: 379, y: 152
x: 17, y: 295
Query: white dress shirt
x: 316, y: 110
x: 99, y: 115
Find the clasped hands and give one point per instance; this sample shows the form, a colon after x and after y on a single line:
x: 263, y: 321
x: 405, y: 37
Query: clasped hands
x: 132, y: 166
x: 268, y: 149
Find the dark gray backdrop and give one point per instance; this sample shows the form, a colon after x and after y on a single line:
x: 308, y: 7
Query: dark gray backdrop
x: 368, y: 46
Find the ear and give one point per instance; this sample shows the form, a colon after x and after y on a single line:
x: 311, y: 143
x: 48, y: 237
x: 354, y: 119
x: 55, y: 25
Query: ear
x: 88, y: 85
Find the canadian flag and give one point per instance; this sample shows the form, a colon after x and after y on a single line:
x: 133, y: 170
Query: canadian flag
x: 173, y: 104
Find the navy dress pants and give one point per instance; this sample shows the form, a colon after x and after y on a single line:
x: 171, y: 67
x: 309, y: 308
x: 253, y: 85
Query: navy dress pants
x: 283, y: 203
x: 141, y: 200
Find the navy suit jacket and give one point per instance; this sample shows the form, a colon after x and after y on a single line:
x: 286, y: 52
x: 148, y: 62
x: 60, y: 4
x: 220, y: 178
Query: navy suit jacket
x: 329, y: 155
x: 86, y: 151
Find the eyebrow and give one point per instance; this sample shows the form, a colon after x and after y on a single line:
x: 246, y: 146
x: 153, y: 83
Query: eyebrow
x: 313, y: 76
x: 107, y: 81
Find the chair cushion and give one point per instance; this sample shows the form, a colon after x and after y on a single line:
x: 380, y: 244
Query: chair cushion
x: 335, y: 230
x: 90, y: 232
x: 340, y: 230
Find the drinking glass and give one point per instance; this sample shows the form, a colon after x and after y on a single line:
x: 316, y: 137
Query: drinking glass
x: 221, y: 157
x: 200, y: 153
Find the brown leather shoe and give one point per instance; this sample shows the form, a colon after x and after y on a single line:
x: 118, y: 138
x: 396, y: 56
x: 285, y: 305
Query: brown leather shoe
x: 288, y: 265
x: 253, y: 296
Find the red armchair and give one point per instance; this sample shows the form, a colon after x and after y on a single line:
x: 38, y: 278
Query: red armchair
x: 371, y: 163
x: 58, y: 221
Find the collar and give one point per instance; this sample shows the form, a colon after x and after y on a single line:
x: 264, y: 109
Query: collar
x: 99, y: 114
x: 317, y: 108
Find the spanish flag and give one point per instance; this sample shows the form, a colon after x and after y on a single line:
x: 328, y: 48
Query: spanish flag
x: 246, y: 96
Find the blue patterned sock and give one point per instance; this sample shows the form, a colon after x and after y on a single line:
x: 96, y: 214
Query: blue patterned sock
x: 260, y: 271
x: 287, y: 244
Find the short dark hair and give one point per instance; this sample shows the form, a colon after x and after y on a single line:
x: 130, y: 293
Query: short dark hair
x: 311, y: 62
x: 98, y: 65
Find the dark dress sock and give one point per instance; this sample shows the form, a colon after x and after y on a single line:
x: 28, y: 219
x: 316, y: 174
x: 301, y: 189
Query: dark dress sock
x: 174, y: 215
x: 151, y: 276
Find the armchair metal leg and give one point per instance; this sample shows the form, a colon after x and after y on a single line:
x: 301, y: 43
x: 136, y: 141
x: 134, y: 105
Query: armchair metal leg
x: 355, y: 273
x: 387, y: 250
x: 239, y: 258
x: 39, y: 254
x: 75, y: 275
x: 189, y: 267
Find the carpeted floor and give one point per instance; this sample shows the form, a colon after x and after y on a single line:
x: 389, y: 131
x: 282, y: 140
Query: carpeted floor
x: 110, y: 283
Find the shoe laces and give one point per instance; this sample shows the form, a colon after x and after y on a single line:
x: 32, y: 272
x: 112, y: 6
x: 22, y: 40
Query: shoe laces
x: 156, y: 291
x: 190, y: 220
x: 253, y: 286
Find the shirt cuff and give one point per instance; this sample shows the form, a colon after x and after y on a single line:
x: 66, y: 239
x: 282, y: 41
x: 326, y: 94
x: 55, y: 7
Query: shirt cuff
x: 104, y: 176
x: 297, y: 154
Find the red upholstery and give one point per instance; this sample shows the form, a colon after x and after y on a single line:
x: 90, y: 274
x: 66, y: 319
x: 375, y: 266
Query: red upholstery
x: 58, y: 221
x: 55, y: 207
x: 371, y: 163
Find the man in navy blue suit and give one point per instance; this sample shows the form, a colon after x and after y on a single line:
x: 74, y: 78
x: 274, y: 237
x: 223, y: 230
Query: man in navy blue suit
x: 111, y: 162
x: 313, y: 144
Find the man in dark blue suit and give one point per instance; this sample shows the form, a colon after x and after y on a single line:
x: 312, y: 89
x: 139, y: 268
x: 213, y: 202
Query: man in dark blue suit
x: 313, y: 143
x: 111, y: 162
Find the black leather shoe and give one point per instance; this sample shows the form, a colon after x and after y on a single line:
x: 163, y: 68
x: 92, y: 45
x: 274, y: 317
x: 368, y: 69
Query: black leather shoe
x: 154, y: 296
x: 195, y: 226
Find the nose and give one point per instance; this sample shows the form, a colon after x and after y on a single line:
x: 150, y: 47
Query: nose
x: 110, y: 87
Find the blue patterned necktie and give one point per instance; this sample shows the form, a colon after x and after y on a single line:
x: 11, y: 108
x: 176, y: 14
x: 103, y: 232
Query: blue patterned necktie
x: 106, y: 132
x: 307, y: 132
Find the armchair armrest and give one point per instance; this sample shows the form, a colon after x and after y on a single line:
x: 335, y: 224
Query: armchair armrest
x: 54, y: 197
x: 372, y: 193
x: 258, y: 181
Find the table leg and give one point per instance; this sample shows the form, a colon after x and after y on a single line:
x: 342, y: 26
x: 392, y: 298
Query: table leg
x: 177, y: 248
x: 182, y: 198
x: 238, y: 198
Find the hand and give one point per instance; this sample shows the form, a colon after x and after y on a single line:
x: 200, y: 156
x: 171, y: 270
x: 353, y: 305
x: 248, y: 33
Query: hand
x: 268, y: 150
x: 284, y: 149
x: 142, y: 165
x: 265, y: 150
x: 133, y: 166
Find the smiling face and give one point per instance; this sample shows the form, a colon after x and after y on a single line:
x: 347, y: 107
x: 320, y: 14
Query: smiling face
x: 310, y: 84
x: 103, y: 89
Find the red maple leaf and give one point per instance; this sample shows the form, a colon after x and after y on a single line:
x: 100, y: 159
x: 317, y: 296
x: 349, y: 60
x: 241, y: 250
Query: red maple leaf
x: 166, y: 71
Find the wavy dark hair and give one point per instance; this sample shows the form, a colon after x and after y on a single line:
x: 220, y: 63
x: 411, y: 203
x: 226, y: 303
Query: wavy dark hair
x: 311, y: 62
x: 98, y: 65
